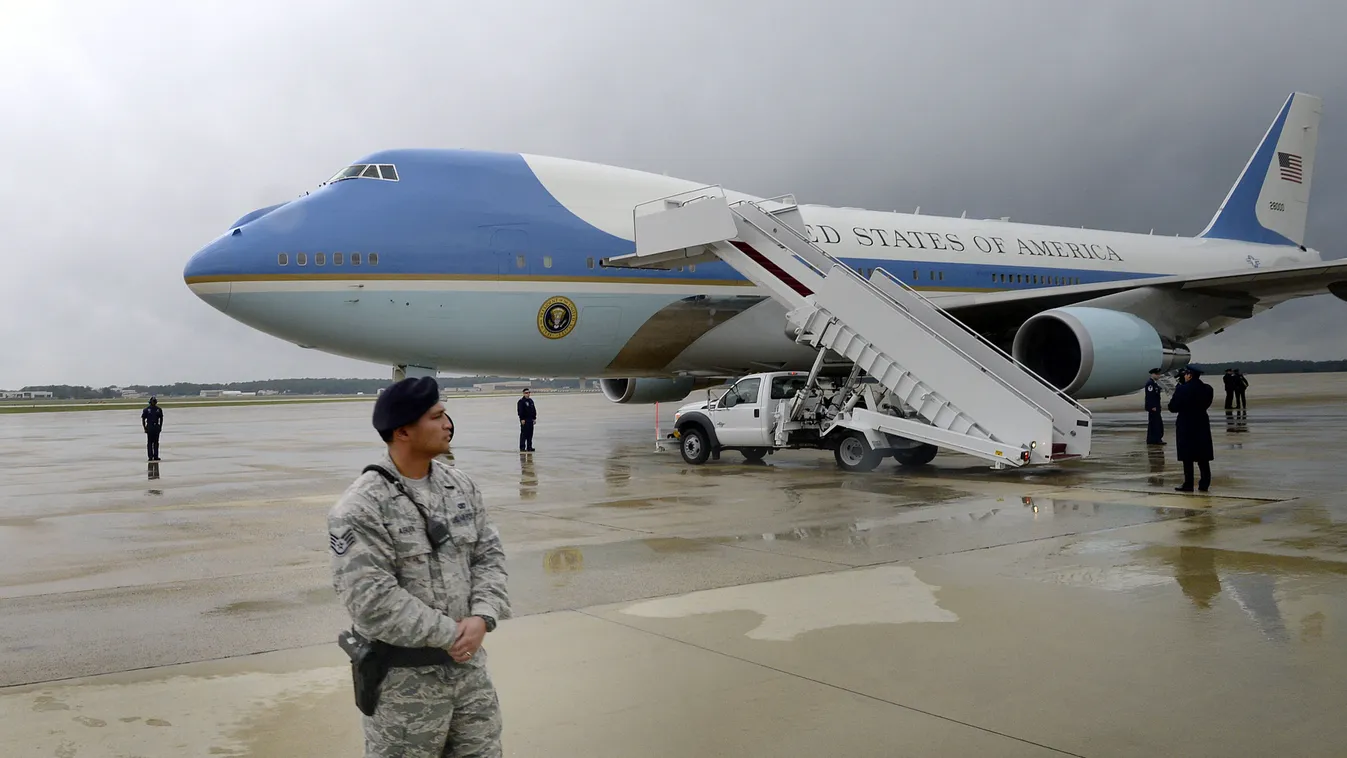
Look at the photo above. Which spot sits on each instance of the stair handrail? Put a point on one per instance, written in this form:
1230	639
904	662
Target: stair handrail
1055	390
848	271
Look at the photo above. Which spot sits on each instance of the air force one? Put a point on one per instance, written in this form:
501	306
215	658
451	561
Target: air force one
489	263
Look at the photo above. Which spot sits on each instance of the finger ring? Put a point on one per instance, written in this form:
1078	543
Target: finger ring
469	655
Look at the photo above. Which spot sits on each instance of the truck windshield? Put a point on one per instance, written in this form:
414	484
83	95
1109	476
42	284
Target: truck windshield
746	391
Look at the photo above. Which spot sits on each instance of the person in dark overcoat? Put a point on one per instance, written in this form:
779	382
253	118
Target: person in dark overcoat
1192	427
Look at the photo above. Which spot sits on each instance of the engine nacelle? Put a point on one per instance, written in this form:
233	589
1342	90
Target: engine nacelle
647	390
1094	352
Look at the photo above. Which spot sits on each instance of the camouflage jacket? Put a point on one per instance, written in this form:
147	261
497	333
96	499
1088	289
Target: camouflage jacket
398	589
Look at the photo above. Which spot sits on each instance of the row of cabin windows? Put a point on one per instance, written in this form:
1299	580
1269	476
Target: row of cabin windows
320	259
338	259
522	262
1055	281
939	276
934	276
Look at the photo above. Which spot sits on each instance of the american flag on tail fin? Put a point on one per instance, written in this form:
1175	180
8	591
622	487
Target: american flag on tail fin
1291	167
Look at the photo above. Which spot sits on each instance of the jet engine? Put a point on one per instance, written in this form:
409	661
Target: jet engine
1094	352
647	390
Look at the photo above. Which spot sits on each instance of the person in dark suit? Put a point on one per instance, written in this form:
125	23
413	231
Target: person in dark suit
1241	384
152	421
1155	426
1231	388
528	414
1192	427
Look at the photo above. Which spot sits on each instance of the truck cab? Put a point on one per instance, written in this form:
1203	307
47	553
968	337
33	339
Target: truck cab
740	419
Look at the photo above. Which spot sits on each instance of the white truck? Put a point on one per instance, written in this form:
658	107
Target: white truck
762	413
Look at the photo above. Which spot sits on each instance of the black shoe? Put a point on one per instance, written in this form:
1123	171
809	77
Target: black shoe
1183	489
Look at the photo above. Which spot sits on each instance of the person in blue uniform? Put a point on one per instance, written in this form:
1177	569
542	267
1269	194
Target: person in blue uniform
528	414
152	421
1192	427
1155	425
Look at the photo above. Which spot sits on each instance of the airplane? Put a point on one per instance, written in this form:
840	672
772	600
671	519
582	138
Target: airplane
472	262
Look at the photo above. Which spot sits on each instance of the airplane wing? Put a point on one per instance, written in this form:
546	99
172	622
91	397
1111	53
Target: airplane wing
1230	294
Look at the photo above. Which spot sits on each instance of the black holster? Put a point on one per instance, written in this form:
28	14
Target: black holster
371	660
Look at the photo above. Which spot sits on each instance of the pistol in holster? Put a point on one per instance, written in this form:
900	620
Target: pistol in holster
371	660
368	668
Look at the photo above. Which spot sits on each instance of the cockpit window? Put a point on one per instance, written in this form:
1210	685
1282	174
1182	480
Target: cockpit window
382	171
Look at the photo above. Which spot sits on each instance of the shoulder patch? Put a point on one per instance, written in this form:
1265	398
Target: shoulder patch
340	543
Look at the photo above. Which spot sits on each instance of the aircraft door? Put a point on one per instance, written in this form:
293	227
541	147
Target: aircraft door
509	246
739	414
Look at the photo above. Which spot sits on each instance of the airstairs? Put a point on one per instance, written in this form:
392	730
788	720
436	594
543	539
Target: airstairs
962	392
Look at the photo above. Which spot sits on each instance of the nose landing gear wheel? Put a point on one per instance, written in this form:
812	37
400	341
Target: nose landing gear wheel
853	453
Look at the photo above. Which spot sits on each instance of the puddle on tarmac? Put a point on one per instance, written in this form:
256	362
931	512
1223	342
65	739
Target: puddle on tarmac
676	545
178	716
651	502
791	607
244	607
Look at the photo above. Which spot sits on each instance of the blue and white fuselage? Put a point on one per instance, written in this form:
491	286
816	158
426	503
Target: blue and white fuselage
450	260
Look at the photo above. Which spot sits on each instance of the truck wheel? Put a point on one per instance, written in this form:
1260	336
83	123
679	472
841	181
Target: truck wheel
694	447
754	454
853	453
916	456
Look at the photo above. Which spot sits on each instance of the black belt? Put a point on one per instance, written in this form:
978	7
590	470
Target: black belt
409	657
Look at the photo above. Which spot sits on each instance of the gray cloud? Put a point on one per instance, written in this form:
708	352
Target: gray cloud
138	133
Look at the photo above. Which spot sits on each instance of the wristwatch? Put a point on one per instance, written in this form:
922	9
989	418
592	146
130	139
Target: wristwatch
490	622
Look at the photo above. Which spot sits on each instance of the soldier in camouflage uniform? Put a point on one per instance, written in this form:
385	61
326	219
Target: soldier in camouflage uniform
428	577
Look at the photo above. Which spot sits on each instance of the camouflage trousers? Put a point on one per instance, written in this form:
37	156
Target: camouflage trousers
435	712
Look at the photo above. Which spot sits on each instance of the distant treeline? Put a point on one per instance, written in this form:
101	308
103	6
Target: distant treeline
285	386
1277	366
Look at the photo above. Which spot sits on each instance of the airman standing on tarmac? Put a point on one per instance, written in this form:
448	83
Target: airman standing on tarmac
1155	424
419	566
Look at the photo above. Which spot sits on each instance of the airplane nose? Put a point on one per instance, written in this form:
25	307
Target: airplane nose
204	274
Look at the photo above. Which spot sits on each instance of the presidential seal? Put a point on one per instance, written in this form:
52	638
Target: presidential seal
557	317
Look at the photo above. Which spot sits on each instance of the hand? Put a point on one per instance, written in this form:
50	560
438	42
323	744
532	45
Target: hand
471	630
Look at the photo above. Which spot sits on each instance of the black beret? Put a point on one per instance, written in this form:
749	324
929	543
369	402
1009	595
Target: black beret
1194	370
405	402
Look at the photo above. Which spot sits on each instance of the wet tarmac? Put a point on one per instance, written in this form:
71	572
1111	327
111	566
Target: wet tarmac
778	609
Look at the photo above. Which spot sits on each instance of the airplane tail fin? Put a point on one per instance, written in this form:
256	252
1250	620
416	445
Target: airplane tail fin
1270	200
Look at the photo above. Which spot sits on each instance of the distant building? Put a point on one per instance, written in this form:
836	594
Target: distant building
25	395
501	386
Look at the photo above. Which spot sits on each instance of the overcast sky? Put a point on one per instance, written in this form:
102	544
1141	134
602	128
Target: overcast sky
136	132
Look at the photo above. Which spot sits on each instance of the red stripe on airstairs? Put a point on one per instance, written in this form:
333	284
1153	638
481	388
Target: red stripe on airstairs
772	268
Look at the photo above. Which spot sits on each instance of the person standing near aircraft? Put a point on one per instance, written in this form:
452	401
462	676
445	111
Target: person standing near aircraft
528	415
152	421
420	568
1241	384
1155	424
1190	401
1231	388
